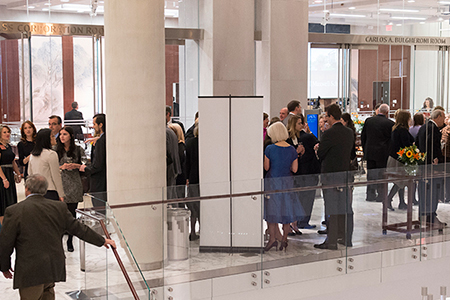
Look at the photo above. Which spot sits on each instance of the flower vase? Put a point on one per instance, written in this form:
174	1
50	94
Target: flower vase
411	169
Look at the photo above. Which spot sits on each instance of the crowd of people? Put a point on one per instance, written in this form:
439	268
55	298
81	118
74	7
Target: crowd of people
52	153
52	165
291	152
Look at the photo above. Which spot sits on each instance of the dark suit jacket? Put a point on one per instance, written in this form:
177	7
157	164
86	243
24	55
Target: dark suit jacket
97	170
192	166
376	138
335	148
34	227
428	140
74	115
308	163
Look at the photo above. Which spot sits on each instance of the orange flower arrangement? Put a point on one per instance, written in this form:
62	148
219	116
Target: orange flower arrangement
411	155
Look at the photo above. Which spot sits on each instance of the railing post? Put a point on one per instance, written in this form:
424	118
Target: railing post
82	255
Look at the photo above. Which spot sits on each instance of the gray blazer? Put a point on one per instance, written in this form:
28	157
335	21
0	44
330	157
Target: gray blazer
34	227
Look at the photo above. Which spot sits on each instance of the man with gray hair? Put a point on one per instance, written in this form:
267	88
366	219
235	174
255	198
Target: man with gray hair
34	228
428	141
376	140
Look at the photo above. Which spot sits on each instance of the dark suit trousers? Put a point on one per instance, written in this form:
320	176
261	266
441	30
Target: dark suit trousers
338	207
38	292
375	170
306	197
428	197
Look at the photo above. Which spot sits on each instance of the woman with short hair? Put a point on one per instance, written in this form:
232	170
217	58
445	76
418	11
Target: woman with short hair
281	161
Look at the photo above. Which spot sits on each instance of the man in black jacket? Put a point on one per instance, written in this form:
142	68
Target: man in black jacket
74	119
428	141
97	170
375	140
34	228
334	151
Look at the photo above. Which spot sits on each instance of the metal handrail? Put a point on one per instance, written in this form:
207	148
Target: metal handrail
260	192
116	254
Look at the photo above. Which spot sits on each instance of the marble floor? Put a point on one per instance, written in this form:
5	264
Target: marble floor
102	270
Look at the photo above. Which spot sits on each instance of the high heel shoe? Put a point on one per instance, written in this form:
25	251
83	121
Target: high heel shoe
296	232
269	246
283	246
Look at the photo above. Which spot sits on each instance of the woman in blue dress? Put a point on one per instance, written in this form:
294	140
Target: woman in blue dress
280	160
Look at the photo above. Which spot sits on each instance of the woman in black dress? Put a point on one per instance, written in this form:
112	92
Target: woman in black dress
26	145
400	138
192	180
8	193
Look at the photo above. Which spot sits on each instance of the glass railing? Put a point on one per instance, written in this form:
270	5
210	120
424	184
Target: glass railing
217	232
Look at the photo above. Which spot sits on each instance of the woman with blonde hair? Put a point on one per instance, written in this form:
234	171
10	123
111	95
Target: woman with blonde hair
281	161
295	126
181	178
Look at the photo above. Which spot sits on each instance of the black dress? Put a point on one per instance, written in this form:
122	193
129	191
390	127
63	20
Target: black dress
25	149
7	196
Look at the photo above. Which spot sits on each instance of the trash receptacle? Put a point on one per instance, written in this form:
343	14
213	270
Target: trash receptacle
178	233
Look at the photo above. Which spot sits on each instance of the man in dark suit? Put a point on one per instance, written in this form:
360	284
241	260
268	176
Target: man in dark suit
74	118
334	151
429	140
294	108
34	228
308	169
97	170
170	120
375	140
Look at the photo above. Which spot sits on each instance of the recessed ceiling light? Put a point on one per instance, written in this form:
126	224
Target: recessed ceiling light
408	18
352	8
101	2
390	23
47	4
318	1
80	11
399	10
347	15
398	24
45	9
411	1
31	6
422	23
326	10
64	0
440	19
444	2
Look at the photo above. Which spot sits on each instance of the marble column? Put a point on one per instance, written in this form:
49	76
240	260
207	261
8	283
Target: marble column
227	55
135	85
282	54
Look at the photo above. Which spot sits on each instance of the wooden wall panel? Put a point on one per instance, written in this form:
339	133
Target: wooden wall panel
68	76
172	71
10	99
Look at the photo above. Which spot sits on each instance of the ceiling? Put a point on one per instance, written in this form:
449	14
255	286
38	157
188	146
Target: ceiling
353	12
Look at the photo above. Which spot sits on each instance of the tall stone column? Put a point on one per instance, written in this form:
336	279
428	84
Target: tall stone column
135	85
282	54
227	55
